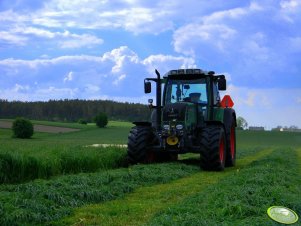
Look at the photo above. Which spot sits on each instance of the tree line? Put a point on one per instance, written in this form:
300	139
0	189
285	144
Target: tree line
73	110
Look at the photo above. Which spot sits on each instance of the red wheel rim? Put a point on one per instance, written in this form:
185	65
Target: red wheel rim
232	142
221	150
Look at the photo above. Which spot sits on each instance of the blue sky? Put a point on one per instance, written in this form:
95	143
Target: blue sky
103	49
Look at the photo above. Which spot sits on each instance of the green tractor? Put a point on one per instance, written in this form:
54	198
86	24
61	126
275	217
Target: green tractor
191	118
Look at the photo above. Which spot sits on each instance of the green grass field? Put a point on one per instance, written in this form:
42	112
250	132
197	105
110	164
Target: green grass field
81	185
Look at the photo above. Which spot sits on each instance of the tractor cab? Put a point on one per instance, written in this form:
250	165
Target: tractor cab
178	90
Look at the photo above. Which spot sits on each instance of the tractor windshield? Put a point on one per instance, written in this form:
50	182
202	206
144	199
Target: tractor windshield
186	91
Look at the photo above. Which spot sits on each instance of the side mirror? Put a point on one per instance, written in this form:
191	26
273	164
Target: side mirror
222	84
150	101
147	87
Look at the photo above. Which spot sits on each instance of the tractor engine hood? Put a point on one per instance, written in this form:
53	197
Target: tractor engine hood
179	120
175	111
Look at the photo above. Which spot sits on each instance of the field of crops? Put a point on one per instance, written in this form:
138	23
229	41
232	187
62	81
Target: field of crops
59	179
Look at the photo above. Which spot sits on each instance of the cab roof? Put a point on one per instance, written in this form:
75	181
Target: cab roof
189	74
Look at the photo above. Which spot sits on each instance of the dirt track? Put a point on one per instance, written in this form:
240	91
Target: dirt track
41	128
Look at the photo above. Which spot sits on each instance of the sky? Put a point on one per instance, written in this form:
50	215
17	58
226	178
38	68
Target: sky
103	49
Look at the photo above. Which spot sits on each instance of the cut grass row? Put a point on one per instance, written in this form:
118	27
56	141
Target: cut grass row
16	167
47	155
45	201
239	196
242	198
131	211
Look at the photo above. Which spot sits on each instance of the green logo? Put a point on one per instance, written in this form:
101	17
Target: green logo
282	215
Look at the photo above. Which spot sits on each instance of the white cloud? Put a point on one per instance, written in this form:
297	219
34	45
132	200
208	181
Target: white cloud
129	16
119	79
216	31
12	38
121	67
290	10
20	88
69	77
121	56
290	5
78	41
164	63
34	31
20	35
188	37
11	16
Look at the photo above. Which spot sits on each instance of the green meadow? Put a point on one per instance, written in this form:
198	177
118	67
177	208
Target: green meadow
59	179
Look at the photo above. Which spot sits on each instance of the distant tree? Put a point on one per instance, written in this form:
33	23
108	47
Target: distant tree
22	128
101	120
241	123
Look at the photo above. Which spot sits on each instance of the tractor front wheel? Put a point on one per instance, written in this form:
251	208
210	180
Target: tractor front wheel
213	148
140	140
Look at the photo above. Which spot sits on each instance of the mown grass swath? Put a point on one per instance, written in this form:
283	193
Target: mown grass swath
244	197
44	201
47	155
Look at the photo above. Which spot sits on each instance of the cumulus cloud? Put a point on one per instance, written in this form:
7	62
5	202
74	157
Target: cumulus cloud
164	63
128	15
10	38
112	73
20	35
235	38
20	88
69	77
119	79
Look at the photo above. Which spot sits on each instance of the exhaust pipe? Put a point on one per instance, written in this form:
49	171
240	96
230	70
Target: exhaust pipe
158	100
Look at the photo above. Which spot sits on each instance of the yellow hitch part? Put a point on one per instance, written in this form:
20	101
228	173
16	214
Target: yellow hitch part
172	140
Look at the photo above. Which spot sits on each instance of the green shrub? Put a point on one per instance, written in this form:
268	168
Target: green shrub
83	121
22	128
101	120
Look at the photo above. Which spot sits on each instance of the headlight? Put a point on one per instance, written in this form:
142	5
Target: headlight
166	127
179	127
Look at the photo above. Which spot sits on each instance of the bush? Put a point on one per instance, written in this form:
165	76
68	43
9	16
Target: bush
83	121
101	120
22	128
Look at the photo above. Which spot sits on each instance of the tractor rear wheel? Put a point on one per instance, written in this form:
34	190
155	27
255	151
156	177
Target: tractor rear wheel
140	140
213	148
231	145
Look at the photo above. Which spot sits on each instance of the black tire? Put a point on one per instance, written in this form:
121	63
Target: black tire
139	145
231	145
213	148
